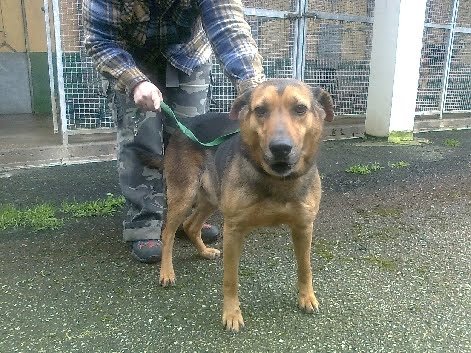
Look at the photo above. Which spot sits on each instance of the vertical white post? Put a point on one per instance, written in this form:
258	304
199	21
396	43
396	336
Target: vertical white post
50	66
300	29
394	68
60	72
446	74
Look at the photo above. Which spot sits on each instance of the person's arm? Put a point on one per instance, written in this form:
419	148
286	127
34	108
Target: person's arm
232	41
102	43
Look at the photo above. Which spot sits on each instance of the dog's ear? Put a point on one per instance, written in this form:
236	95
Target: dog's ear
240	103
325	100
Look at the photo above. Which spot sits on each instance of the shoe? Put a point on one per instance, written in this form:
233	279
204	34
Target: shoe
209	233
146	251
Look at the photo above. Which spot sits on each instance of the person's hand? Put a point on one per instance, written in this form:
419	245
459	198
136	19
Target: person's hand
147	96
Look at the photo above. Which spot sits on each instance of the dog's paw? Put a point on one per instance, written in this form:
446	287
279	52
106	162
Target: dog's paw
232	320
308	303
167	278
210	253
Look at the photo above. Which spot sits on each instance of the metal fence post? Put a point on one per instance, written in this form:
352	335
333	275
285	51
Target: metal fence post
60	71
50	65
446	74
300	35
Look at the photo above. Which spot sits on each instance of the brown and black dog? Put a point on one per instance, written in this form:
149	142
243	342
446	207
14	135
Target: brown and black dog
264	176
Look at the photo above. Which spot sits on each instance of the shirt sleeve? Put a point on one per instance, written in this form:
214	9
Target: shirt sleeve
102	28
232	41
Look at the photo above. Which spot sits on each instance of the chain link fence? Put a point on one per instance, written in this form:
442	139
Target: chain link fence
275	38
445	70
85	104
338	47
334	55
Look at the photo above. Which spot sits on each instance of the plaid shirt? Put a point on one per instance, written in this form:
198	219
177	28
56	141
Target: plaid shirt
121	33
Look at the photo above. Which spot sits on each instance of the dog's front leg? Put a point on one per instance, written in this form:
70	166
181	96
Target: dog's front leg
302	239
233	240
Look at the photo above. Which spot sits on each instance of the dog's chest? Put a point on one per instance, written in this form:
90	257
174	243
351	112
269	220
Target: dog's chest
265	204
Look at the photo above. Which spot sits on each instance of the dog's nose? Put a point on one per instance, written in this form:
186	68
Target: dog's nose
280	148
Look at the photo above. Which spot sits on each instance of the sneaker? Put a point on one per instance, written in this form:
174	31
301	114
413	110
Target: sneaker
209	233
146	251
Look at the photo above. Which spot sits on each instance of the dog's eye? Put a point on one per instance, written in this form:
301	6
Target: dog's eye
261	111
300	109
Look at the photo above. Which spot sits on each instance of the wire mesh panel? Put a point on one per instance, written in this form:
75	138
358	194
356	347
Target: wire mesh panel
86	106
275	40
464	14
432	69
458	95
280	5
439	11
338	53
352	7
335	55
445	71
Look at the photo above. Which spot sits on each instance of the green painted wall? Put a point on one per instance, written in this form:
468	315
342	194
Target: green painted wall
41	95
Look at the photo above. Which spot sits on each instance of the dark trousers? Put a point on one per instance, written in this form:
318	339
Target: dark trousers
141	138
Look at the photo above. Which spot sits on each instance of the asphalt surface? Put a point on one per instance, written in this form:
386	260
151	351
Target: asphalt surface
391	262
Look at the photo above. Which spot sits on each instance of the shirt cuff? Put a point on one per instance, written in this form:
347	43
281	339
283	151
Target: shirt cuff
244	85
129	79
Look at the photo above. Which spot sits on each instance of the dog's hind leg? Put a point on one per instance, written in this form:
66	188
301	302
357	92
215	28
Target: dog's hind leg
182	189
178	204
193	224
302	239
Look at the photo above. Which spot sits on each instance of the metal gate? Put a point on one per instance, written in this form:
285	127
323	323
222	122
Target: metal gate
445	71
326	43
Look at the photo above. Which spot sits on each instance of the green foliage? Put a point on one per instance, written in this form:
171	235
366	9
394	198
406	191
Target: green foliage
102	207
323	250
45	216
400	164
39	217
452	143
10	217
385	264
363	169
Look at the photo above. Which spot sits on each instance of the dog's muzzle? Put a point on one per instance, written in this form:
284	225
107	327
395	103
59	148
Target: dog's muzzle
281	156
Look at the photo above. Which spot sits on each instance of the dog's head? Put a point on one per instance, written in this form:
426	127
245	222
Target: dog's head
281	124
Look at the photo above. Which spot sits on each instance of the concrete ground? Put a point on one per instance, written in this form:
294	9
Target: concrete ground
391	262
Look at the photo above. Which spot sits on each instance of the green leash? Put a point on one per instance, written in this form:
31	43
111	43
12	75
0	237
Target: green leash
168	111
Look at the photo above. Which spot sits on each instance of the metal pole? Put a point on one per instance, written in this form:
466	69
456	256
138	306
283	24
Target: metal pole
446	74
28	50
50	66
60	72
300	35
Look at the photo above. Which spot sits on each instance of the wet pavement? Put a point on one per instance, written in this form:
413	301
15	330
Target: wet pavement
391	262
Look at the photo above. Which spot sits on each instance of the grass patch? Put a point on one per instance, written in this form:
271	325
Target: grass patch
42	217
363	169
39	217
102	207
10	217
323	250
46	216
452	143
388	212
247	272
382	263
398	165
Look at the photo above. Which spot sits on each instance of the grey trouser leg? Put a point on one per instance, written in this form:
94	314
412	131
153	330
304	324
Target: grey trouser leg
140	137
